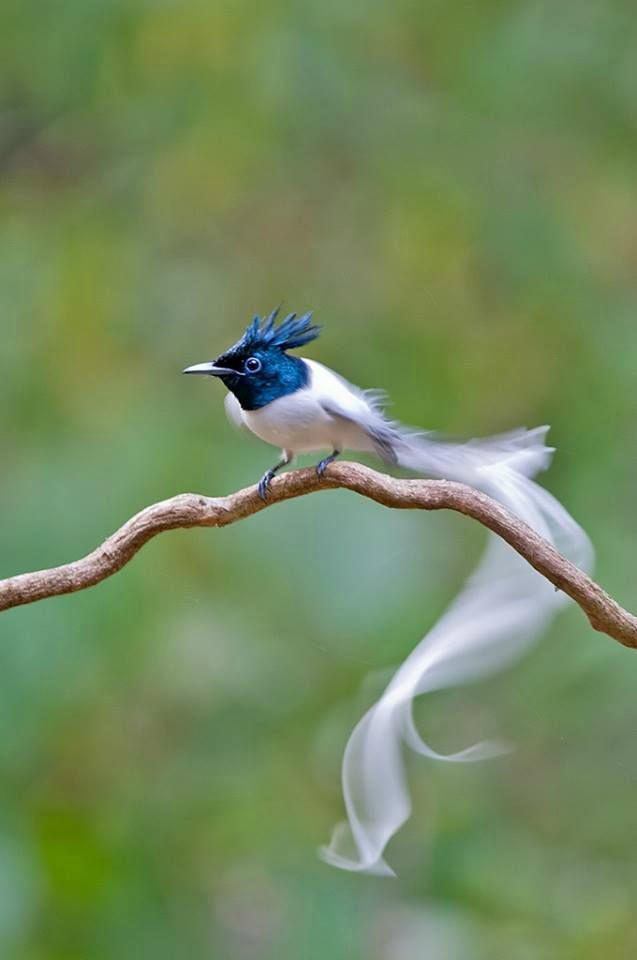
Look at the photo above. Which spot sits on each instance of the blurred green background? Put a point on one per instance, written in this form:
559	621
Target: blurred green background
452	188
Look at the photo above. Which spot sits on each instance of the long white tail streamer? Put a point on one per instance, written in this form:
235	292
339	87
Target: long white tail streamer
502	608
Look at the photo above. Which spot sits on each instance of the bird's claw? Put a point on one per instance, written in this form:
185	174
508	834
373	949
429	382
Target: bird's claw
322	467
264	485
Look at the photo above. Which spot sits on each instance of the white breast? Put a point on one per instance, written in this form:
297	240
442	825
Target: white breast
234	412
295	422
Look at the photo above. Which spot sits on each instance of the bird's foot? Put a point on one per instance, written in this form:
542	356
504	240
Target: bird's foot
324	464
264	484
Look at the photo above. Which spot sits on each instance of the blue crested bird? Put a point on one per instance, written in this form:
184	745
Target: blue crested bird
302	406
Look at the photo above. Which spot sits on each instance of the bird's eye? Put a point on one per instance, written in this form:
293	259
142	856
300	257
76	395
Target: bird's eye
253	364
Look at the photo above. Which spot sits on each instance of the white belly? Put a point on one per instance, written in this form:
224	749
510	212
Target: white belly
296	423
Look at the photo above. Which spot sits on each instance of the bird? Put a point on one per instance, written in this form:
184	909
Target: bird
301	406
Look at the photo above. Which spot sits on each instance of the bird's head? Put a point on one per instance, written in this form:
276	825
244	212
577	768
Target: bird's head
257	368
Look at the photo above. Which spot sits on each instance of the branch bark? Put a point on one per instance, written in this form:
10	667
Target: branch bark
193	510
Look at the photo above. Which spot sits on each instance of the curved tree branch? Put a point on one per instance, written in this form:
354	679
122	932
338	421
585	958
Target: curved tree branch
194	510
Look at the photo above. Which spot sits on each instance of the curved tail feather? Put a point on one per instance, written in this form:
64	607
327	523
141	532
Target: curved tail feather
503	607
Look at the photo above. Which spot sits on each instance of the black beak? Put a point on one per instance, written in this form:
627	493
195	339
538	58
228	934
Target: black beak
210	369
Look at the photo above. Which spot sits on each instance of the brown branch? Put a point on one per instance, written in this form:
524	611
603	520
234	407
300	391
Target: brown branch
193	510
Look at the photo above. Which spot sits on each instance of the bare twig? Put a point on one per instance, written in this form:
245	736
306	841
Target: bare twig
194	510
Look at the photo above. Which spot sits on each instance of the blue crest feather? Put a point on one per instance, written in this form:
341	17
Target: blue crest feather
291	332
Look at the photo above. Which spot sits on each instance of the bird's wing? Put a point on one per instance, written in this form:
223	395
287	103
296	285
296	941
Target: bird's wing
362	409
234	412
374	428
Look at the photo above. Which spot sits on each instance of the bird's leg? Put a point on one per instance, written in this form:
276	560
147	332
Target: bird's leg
322	466
264	482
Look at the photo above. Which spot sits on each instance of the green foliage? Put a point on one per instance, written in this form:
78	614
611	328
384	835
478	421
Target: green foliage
451	187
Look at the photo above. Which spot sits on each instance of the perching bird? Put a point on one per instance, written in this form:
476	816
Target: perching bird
302	406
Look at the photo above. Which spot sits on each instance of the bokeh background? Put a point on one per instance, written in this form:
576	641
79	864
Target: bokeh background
452	188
